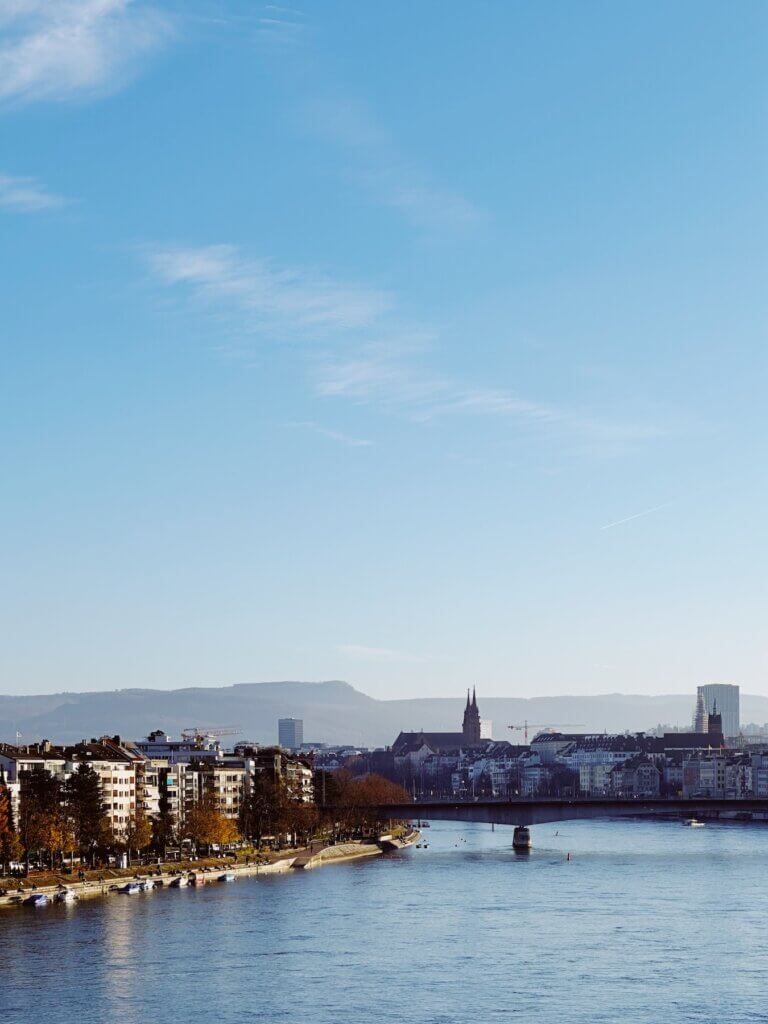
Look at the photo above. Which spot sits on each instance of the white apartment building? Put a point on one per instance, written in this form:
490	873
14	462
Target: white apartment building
116	770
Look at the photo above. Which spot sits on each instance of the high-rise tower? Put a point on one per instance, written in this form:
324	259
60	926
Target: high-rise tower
727	697
471	725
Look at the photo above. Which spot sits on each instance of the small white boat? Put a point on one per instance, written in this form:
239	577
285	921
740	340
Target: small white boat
65	896
130	889
693	823
228	876
37	899
146	885
180	882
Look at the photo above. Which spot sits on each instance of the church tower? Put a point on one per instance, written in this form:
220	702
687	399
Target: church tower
471	726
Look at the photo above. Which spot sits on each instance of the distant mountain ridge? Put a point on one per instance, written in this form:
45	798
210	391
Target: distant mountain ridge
333	712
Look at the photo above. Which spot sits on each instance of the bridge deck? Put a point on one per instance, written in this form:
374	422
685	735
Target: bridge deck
540	811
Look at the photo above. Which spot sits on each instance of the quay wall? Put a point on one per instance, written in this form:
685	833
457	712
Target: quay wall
85	890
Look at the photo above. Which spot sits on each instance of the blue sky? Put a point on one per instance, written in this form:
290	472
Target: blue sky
418	345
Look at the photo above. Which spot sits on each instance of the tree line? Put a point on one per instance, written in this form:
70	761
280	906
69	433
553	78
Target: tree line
60	820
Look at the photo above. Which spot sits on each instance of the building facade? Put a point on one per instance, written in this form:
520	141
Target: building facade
723	699
290	733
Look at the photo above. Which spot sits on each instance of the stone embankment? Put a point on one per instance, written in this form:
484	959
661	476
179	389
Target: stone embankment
111	882
319	855
314	856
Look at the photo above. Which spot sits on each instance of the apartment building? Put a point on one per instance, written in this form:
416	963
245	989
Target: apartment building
116	770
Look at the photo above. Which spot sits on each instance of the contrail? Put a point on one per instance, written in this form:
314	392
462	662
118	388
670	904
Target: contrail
637	515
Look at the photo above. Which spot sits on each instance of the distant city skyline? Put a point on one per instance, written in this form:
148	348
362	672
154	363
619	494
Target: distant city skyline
421	346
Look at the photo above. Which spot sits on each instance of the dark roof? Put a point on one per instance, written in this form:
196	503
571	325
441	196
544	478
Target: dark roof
30	752
408	742
595	741
95	751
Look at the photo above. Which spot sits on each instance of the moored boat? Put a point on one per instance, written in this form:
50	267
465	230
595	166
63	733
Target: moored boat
130	889
65	895
228	876
180	882
37	899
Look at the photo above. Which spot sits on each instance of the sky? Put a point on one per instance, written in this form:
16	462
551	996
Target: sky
417	345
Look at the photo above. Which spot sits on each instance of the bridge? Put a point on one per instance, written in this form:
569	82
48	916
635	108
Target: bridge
539	810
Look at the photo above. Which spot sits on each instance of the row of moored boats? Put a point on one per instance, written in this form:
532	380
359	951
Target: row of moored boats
133	888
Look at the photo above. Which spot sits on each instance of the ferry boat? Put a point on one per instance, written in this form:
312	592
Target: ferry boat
693	823
521	839
37	899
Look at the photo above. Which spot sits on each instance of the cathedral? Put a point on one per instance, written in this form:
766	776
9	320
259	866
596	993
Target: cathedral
445	742
470	728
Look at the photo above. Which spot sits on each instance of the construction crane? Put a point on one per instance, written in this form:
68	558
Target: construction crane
548	725
199	733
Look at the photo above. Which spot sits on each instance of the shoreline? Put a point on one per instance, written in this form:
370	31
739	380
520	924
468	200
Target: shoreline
306	859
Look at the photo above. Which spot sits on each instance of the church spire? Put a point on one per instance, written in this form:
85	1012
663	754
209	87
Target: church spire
471	725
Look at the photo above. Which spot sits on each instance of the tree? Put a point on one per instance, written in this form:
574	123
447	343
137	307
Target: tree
206	825
356	802
10	845
138	834
303	819
163	823
41	814
265	808
86	811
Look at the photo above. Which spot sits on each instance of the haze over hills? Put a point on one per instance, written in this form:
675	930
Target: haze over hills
333	712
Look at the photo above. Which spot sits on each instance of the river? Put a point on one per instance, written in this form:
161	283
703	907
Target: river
648	922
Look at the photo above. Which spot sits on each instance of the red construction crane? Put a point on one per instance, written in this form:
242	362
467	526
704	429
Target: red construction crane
548	725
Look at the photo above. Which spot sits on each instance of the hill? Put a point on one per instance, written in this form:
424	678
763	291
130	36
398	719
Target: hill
333	712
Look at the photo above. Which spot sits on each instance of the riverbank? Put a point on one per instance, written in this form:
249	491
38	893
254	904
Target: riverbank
205	871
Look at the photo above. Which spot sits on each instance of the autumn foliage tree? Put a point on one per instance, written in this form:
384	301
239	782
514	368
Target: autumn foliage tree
205	825
352	805
41	818
10	845
138	834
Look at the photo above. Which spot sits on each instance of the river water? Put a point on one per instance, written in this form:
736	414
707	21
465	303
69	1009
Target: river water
648	922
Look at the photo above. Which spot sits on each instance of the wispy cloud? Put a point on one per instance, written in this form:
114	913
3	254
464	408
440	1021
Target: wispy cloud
58	49
382	374
377	164
27	195
637	515
381	654
279	299
334	435
283	26
359	351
